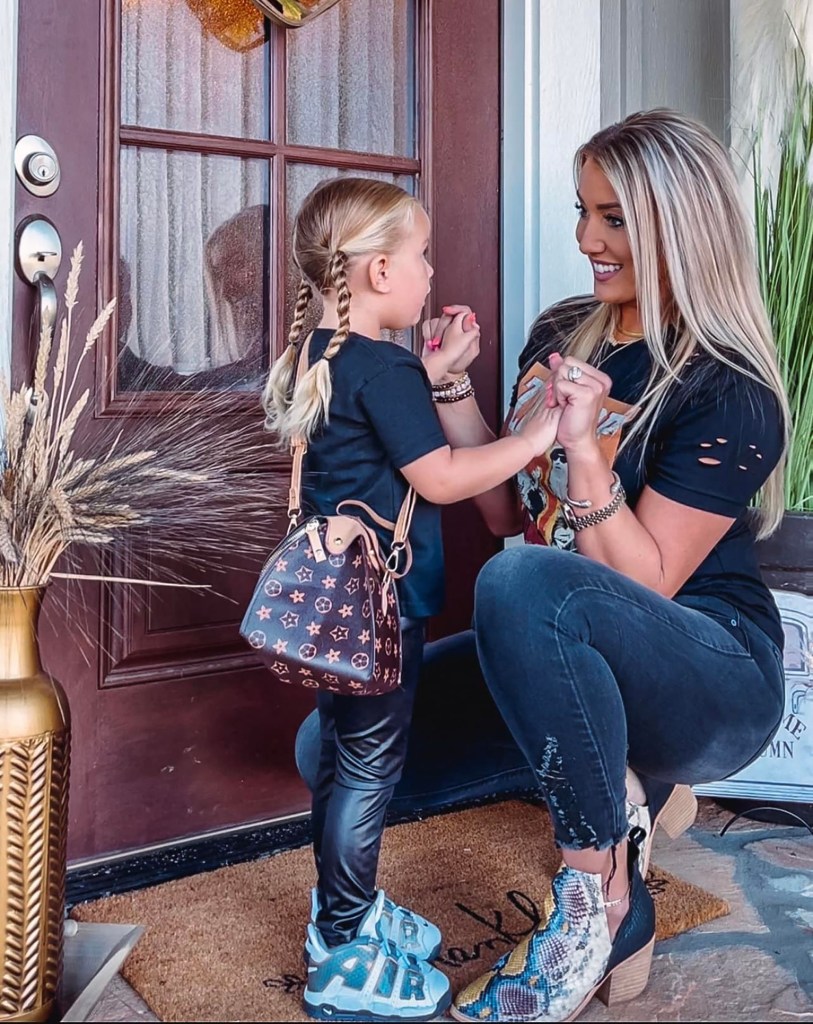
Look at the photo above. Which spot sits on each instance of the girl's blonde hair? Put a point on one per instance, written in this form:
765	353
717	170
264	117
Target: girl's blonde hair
341	220
688	230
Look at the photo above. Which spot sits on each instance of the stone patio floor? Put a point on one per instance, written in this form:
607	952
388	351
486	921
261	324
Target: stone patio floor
754	965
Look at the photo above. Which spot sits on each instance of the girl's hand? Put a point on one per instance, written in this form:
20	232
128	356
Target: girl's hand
539	424
459	337
434	329
580	401
472	330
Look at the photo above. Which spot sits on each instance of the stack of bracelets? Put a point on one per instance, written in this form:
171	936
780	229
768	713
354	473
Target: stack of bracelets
599	515
455	390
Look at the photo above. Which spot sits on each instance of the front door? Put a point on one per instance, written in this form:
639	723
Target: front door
188	131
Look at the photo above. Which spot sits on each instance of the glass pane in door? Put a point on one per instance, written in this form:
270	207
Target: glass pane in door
351	78
195	66
193	271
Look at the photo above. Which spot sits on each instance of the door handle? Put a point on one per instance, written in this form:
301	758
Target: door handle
39	255
46	300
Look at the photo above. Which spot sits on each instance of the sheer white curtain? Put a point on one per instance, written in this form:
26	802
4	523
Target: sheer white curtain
186	219
350	81
175	75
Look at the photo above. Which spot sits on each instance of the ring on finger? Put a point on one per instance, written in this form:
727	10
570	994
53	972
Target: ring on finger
574	373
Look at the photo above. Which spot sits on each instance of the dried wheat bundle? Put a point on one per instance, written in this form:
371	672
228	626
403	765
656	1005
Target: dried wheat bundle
178	481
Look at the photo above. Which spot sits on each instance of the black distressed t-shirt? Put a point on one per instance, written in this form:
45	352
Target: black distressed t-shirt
714	444
381	418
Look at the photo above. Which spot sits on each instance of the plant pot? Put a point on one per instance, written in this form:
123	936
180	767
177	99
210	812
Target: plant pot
786	558
34	765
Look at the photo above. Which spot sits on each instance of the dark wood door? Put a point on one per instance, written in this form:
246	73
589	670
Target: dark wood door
187	132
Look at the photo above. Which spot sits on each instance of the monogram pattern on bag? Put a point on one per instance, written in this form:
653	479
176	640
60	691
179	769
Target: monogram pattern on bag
322	624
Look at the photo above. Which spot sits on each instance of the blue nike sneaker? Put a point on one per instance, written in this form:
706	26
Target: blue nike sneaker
408	930
371	978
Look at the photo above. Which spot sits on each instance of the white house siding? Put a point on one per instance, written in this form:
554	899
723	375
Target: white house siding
551	103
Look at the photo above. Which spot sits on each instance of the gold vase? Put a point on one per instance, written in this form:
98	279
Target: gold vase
34	763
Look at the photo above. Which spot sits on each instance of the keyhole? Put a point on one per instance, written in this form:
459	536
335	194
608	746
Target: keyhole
42	168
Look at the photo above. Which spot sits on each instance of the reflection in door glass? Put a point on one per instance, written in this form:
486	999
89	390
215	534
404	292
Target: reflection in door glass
195	66
193	271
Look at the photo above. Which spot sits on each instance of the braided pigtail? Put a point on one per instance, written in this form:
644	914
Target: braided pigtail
303	299
338	280
341	221
278	393
311	402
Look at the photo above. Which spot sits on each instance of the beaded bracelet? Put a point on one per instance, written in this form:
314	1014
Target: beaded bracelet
454	390
460	383
457	396
577	523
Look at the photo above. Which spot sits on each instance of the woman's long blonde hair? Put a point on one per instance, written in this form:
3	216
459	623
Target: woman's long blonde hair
688	230
341	220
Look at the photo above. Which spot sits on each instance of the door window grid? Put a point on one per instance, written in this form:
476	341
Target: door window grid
284	162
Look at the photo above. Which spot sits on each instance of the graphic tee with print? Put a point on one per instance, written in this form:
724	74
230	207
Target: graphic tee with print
716	441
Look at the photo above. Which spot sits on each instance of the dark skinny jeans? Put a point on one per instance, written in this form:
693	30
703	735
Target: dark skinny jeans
578	671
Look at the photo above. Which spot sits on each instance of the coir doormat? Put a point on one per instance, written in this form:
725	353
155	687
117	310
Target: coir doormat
227	945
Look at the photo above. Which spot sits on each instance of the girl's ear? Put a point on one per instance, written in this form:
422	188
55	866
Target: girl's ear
379	274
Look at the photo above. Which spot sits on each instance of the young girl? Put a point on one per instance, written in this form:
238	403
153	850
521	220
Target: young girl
366	407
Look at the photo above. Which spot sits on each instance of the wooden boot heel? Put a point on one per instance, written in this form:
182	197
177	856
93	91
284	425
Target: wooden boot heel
629	979
679	812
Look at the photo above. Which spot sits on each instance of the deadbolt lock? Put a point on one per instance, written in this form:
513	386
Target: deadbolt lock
37	166
40	168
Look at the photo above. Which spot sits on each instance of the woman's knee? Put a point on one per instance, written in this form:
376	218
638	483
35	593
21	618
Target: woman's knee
525	581
307	748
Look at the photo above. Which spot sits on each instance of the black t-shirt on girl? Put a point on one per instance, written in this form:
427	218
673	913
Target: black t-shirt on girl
382	417
714	444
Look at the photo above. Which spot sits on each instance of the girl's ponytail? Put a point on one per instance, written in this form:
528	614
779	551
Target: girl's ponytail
338	279
277	395
310	402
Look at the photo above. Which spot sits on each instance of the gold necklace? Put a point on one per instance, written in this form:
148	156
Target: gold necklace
628	340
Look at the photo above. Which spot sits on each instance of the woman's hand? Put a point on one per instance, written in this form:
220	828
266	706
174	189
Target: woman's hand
451	343
580	400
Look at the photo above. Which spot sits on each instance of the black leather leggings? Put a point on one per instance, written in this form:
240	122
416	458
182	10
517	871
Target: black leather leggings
363	749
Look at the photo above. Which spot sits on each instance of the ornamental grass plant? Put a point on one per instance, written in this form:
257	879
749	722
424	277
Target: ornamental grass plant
784	242
181	487
772	126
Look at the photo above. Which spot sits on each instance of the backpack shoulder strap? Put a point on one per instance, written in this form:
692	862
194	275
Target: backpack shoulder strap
299	446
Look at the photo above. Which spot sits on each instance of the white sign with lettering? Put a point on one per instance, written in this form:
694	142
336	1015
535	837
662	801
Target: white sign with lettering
784	771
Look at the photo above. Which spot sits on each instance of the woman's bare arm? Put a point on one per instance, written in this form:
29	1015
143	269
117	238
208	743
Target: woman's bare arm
660	544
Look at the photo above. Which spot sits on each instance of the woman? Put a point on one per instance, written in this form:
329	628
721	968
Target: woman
661	648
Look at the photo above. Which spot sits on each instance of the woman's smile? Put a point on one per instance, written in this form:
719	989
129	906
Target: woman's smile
605	271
